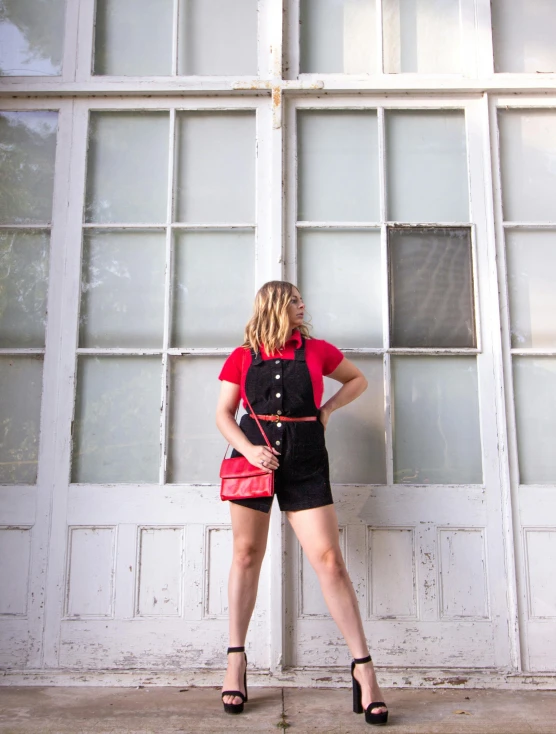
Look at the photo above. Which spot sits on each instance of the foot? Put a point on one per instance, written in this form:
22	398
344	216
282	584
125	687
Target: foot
370	690
233	680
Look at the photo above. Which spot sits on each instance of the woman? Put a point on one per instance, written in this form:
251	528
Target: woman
280	370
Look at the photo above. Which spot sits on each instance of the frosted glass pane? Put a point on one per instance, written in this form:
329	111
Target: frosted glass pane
422	36
27	151
339	273
218	37
437	437
337	36
431	288
133	37
427	166
195	446
528	162
535	409
20	409
213	288
216	167
338	166
355	435
531	263
127	168
523	35
31	37
122	289
24	260
116	431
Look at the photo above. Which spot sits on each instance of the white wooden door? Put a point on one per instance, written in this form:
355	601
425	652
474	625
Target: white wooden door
390	245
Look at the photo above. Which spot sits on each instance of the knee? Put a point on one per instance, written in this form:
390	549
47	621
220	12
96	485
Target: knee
331	563
247	556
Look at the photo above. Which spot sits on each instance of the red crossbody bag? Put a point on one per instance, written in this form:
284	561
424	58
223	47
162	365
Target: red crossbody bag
240	480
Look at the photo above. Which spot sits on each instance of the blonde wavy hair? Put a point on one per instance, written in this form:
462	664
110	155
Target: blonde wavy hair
269	327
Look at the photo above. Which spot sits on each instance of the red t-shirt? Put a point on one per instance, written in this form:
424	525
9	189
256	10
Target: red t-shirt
322	358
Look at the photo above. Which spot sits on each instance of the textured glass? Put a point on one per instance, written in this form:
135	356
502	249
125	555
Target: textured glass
122	289
431	288
437	437
528	163
218	37
337	36
422	36
116	431
127	167
216	167
133	37
24	258
355	435
535	412
339	274
20	410
427	166
31	37
195	446
531	264
213	287
27	152
523	35
338	166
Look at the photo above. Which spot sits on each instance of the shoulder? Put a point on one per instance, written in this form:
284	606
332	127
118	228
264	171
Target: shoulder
233	366
326	353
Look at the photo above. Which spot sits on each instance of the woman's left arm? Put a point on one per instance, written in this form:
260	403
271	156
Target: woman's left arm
353	382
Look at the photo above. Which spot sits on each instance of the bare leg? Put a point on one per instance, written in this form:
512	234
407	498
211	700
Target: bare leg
250	531
317	531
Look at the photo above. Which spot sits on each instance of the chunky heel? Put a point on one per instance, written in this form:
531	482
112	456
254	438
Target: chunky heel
370	717
236	708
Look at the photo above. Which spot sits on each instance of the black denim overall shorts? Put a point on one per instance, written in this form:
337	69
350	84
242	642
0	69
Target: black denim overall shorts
283	387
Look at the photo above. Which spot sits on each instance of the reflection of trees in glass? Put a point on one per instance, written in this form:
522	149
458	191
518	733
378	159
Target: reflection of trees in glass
27	150
31	37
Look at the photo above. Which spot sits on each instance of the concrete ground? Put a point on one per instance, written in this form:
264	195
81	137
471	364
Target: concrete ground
88	710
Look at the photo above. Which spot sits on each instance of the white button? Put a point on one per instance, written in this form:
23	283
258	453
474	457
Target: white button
278	412
277	443
277	377
279	425
278	395
277	361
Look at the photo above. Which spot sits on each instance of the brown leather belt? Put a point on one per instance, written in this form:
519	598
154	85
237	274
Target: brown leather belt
278	418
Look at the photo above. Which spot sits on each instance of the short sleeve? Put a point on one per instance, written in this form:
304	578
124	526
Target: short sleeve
231	371
331	358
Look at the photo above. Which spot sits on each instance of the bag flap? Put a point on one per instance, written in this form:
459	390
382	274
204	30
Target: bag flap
240	467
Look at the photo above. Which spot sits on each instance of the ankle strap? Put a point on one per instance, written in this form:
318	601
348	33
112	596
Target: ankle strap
360	661
235	649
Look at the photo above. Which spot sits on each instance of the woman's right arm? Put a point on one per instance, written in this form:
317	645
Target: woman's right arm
226	423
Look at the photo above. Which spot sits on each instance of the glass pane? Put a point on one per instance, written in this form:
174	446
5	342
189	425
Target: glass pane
355	435
20	409
337	36
122	289
216	167
27	152
213	288
127	167
531	261
523	35
431	288
31	37
528	163
339	275
437	438
427	166
116	432
535	408
195	446
133	37
24	260
218	37
338	166
422	36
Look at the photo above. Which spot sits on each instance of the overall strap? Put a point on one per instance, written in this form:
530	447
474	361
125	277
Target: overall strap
300	351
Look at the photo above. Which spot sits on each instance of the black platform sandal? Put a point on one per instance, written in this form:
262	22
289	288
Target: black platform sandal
370	718
236	708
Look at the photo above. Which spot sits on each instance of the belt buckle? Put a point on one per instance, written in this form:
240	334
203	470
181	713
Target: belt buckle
275	418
